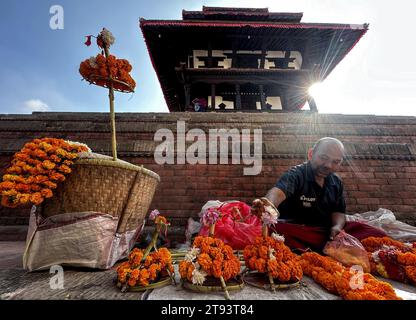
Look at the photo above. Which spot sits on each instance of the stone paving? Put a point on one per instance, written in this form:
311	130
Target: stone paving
79	284
83	284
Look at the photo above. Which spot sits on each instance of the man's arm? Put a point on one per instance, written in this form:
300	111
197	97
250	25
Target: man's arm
276	196
338	222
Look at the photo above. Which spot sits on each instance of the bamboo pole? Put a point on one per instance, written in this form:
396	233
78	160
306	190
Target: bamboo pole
265	230
212	230
112	113
224	287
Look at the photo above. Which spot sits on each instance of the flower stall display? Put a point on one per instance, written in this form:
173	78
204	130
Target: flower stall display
149	268
269	258
344	282
37	169
107	71
210	265
392	259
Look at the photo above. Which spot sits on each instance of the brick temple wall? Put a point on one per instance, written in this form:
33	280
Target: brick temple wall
379	172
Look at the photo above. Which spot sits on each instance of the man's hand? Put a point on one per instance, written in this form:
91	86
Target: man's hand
260	206
334	231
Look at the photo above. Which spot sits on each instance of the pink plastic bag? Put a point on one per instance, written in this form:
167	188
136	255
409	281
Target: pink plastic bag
236	227
348	250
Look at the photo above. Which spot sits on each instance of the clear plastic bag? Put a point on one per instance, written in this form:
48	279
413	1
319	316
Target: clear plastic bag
348	250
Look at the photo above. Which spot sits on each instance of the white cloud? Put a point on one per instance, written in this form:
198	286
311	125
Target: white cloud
35	105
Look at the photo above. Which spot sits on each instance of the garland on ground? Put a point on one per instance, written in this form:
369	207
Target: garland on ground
392	259
36	170
270	255
145	267
339	280
135	272
209	257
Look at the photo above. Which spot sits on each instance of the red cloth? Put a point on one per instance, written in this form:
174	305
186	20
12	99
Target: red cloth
303	237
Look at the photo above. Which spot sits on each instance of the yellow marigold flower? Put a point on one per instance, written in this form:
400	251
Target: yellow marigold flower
24	198
10	177
46	193
45	146
48	164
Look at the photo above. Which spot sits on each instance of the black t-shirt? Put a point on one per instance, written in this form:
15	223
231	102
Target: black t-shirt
308	203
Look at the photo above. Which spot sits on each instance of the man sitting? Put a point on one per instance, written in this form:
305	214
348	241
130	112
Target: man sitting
311	202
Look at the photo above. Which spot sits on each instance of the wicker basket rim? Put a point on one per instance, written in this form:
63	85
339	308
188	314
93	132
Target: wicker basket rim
117	164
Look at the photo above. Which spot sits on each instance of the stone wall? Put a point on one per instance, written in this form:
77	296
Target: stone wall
380	169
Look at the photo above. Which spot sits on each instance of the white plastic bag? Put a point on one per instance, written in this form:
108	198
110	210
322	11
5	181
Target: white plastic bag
386	220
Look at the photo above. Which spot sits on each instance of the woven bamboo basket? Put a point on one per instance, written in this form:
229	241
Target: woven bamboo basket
98	183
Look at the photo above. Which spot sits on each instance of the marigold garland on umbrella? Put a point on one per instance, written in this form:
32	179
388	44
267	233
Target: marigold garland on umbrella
37	169
97	69
338	279
101	68
392	259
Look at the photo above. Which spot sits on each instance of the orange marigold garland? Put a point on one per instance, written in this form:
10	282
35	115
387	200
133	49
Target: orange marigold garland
37	169
99	68
209	257
392	259
155	266
270	255
105	70
339	280
145	267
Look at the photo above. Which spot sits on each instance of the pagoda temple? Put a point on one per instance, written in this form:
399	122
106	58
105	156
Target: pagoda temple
244	59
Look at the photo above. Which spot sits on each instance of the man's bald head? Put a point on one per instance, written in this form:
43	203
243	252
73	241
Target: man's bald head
328	142
326	156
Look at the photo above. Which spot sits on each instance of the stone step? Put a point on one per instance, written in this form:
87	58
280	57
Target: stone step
13	233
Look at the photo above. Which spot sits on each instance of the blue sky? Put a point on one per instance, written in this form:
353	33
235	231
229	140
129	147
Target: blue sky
39	69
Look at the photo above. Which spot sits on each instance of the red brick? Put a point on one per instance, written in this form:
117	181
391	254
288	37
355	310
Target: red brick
394	188
401	208
406	194
379	181
408	175
364	175
368	187
391	175
398	181
367	201
389	201
411	201
357	194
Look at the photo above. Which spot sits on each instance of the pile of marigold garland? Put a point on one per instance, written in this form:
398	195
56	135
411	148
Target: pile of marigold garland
102	67
136	272
270	255
339	280
392	259
209	257
36	170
